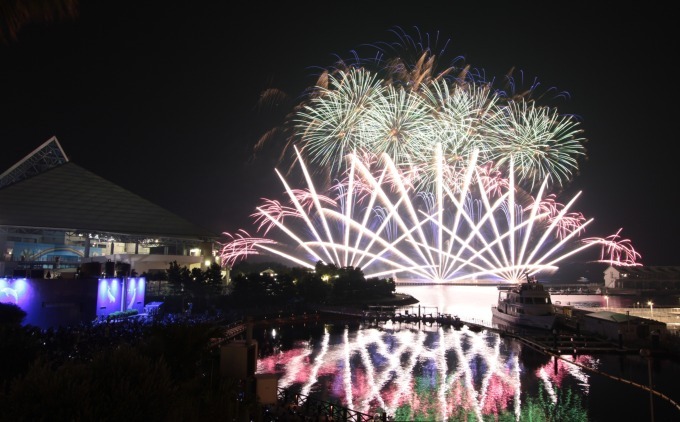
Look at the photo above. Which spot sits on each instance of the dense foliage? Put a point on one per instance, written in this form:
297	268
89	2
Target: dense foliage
121	368
131	369
327	284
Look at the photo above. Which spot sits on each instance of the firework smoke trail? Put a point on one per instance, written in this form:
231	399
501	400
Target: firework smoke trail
241	245
347	373
318	362
616	251
442	368
548	385
377	369
404	110
439	173
382	224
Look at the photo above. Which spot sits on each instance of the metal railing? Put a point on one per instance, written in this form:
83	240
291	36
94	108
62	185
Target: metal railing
305	406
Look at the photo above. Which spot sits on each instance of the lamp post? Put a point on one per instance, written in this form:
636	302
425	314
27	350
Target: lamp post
646	353
606	298
651	308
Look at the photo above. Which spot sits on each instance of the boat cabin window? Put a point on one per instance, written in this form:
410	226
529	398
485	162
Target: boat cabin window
535	300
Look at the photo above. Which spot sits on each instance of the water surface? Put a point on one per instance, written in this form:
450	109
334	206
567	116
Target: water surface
430	372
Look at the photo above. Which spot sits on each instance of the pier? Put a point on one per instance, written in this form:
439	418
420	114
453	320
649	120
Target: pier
561	340
229	332
572	344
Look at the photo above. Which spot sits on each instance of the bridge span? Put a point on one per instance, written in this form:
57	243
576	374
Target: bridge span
481	283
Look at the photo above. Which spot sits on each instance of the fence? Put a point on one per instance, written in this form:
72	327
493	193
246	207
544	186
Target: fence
305	406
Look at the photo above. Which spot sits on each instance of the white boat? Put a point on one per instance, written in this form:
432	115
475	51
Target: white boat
527	304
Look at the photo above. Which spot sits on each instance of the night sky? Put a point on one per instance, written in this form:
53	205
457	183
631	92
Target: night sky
162	99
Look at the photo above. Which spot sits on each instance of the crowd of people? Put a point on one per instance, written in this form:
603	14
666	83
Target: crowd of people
80	342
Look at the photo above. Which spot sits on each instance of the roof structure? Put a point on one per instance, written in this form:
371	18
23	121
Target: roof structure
650	272
46	156
620	318
612	316
46	191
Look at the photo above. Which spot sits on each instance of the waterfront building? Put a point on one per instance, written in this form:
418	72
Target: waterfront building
630	328
640	279
59	220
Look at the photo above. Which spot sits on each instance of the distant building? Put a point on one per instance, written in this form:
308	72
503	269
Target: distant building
58	217
268	272
611	324
642	279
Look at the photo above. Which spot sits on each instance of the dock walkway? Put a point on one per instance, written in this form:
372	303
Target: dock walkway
560	341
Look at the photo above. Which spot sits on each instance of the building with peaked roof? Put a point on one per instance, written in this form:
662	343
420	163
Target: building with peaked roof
642	279
56	216
612	324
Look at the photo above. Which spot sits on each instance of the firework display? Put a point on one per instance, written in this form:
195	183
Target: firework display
431	175
437	374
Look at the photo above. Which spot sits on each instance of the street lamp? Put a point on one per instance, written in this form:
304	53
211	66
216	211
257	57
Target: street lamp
651	308
606	298
646	353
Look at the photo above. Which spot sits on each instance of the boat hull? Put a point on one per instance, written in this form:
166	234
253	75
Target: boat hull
545	322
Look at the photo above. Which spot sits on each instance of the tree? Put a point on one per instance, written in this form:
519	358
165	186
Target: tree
117	383
313	289
11	314
197	276
15	14
249	290
381	287
348	283
162	378
213	275
282	287
246	267
326	271
178	275
19	345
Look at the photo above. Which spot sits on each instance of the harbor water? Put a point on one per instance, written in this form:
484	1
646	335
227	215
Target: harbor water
429	372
